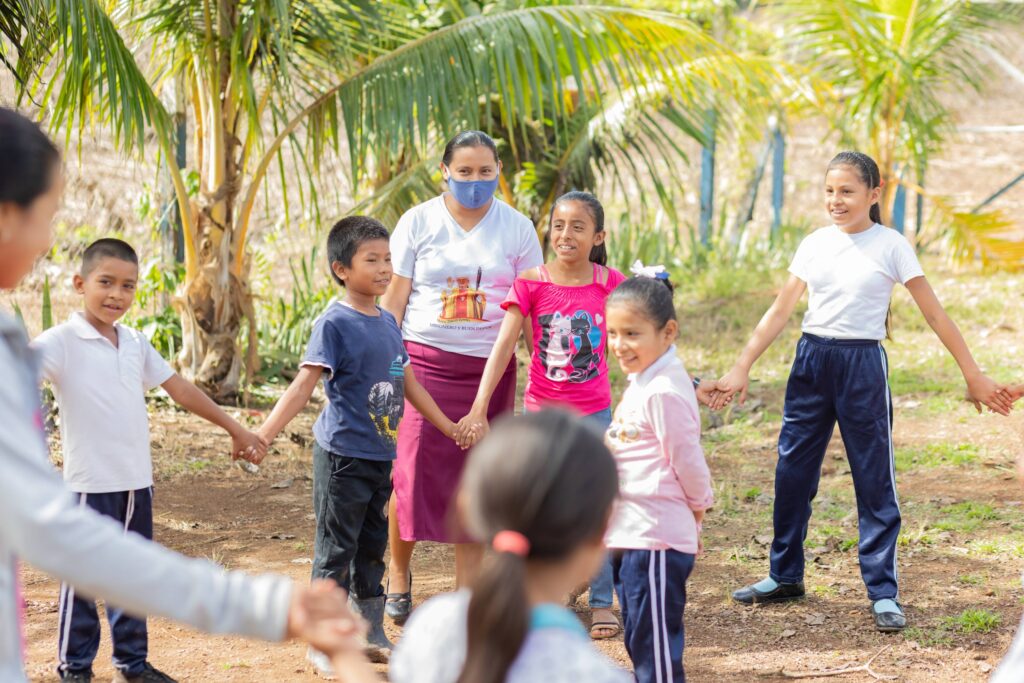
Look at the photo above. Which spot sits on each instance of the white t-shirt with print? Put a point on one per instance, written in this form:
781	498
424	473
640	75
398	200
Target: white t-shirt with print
433	650
101	392
459	278
850	279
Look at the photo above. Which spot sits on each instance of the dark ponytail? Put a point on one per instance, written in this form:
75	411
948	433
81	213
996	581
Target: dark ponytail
598	254
869	174
27	159
650	297
549	477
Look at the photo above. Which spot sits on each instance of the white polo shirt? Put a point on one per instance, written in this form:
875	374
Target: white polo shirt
101	392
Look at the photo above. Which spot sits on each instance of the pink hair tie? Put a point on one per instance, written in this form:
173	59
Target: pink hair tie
511	542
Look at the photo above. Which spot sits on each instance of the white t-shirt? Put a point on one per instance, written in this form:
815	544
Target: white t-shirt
433	650
101	392
460	278
850	278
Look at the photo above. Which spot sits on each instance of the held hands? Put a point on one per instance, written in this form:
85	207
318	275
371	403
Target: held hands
247	445
471	429
983	390
719	394
319	614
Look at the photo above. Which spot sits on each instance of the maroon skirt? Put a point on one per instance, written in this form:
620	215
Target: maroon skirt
429	464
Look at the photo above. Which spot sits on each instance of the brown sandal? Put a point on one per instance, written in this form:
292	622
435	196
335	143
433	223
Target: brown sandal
612	629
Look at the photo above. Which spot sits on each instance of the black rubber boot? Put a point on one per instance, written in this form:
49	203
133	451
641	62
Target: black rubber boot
378	647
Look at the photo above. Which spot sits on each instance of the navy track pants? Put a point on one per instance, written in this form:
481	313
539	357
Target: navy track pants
651	585
846	381
78	637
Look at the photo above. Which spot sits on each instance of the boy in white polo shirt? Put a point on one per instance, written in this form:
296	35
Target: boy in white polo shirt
100	372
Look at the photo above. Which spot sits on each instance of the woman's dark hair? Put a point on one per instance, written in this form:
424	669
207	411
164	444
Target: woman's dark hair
27	159
868	171
651	297
468	138
598	254
549	477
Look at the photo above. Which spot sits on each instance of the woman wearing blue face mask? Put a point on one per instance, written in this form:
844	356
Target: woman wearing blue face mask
455	258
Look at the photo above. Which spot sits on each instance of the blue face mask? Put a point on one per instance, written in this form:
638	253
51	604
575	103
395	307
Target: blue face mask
472	194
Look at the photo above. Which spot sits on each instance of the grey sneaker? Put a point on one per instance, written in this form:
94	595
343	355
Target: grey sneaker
148	675
77	676
320	662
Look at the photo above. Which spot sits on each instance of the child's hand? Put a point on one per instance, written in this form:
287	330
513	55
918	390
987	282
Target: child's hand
736	380
248	446
471	429
982	389
1016	391
712	395
319	614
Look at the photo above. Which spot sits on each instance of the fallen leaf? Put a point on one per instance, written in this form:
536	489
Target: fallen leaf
282	537
788	633
814	619
302	560
283	484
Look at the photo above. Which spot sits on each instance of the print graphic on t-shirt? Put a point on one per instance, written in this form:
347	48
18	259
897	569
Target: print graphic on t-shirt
567	346
460	304
387	401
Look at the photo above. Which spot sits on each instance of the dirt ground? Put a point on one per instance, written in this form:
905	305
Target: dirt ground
962	546
206	508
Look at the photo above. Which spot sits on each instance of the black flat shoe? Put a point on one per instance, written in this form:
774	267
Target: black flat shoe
398	606
889	622
783	592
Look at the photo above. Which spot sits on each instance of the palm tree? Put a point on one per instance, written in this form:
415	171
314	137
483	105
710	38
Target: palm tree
307	77
890	62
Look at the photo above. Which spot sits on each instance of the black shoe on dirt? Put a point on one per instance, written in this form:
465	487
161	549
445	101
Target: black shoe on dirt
77	676
148	675
765	592
889	617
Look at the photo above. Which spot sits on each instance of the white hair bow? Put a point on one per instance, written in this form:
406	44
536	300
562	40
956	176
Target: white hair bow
654	272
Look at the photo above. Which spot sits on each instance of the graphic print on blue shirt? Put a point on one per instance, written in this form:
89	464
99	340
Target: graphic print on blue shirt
364	379
387	402
567	346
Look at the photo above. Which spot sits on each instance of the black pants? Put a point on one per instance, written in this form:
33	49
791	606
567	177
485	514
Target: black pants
350	500
78	637
844	381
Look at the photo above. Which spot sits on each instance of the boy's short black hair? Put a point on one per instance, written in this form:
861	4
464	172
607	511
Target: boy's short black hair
345	237
107	247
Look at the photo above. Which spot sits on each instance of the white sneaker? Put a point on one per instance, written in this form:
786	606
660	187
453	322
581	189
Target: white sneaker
322	663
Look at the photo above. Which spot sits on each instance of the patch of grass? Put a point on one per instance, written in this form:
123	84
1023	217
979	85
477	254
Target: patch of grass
970	579
919	537
965	517
935	455
973	621
928	637
825	591
848	544
751	494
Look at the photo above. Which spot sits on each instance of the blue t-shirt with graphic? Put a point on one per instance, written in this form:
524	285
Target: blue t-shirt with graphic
364	361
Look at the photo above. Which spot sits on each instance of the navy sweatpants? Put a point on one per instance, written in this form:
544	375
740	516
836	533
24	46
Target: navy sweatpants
78	637
846	381
651	585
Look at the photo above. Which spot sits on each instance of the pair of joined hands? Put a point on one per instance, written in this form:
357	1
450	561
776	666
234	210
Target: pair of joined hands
248	445
981	391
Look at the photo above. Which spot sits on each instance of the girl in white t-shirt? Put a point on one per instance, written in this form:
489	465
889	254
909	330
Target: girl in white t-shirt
840	374
539	489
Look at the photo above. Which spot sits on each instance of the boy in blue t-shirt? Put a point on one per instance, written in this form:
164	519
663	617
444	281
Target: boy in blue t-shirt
357	347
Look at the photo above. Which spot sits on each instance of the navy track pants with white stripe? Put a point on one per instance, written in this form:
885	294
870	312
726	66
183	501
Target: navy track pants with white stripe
78	638
846	381
651	585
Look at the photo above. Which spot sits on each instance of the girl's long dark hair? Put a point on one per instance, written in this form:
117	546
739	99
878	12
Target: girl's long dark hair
27	159
598	254
550	477
868	171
